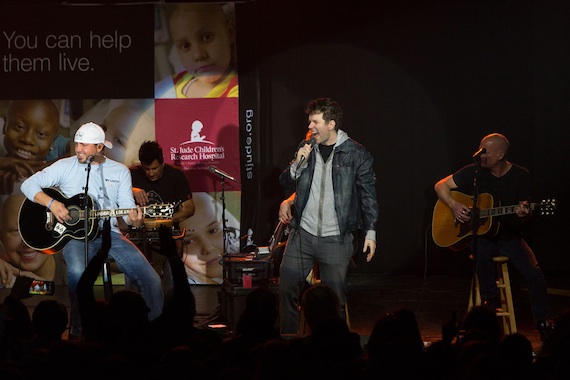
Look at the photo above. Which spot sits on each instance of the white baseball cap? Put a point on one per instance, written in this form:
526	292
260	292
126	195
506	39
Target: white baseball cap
91	133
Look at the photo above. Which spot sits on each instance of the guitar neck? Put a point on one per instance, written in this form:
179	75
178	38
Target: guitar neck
503	210
96	214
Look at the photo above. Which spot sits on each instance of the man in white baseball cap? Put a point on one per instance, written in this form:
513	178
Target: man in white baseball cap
91	133
110	187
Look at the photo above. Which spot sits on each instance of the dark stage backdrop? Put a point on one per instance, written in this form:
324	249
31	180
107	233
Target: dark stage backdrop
420	83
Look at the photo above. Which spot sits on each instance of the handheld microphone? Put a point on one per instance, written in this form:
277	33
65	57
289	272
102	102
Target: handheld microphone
477	155
222	173
90	159
312	141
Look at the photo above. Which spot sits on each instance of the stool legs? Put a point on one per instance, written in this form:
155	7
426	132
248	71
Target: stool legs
107	283
347	319
507	311
474	293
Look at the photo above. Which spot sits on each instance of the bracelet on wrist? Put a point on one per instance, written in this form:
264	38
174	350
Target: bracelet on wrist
49	204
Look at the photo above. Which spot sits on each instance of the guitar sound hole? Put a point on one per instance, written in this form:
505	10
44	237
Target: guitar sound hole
75	214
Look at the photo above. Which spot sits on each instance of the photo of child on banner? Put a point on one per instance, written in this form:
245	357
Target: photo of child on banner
196	54
203	243
127	123
31	138
29	128
18	259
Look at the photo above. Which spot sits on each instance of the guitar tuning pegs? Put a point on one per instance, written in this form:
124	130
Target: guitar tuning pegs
548	206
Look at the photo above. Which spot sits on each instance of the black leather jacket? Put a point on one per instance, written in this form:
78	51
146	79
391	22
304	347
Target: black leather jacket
354	188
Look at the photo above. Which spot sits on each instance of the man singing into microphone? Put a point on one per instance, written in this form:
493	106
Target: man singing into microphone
332	183
508	184
110	188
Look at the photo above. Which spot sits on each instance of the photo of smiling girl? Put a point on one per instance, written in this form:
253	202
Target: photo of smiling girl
202	53
203	244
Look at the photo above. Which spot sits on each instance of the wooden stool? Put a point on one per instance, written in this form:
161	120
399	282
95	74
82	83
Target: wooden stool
507	311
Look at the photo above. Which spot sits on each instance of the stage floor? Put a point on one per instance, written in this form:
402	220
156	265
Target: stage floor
434	299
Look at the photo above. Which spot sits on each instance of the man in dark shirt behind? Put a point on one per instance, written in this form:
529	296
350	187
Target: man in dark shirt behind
157	182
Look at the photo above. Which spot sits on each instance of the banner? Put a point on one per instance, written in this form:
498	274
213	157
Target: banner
165	72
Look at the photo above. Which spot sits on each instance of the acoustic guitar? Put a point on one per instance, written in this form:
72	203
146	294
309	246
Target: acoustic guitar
448	232
41	231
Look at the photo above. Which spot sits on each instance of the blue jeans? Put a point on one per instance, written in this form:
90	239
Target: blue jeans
303	251
129	260
522	258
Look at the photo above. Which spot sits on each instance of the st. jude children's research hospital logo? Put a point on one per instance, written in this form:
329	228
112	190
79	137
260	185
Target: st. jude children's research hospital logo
197	149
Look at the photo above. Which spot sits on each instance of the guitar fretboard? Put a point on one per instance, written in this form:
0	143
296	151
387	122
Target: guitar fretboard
159	210
109	213
504	210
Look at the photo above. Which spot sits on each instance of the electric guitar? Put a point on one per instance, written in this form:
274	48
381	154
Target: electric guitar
41	231
448	232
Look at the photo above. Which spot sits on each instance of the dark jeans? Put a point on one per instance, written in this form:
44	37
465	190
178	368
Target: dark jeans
130	261
523	259
304	251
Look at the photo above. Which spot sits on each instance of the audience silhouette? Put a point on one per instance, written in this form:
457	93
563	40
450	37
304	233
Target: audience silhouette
515	357
395	347
257	325
329	348
49	322
15	330
120	342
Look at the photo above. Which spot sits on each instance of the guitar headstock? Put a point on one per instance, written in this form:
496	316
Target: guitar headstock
547	207
159	210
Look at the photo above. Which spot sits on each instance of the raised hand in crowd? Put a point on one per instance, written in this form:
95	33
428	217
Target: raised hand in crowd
87	303
8	274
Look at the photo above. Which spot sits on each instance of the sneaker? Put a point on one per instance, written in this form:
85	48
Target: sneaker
74	334
545	329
